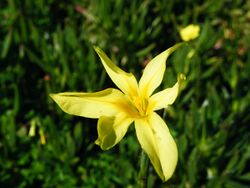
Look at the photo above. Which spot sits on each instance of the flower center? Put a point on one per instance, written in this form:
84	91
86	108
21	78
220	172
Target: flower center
141	105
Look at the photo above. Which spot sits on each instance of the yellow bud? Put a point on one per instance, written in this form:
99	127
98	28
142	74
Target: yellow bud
190	32
32	131
42	137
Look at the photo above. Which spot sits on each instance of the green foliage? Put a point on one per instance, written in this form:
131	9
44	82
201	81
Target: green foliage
46	46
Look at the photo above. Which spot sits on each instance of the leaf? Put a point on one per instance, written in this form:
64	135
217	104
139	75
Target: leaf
6	44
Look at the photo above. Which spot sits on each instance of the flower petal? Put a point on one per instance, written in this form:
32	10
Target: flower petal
166	97
125	81
111	130
154	71
157	142
92	105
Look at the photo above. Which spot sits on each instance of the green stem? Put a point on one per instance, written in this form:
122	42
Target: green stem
143	173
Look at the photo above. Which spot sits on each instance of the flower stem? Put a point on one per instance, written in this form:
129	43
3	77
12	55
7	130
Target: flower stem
143	173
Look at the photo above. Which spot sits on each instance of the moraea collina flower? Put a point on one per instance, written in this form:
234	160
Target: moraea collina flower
134	102
190	32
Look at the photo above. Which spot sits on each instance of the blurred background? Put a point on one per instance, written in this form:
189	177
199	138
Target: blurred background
46	47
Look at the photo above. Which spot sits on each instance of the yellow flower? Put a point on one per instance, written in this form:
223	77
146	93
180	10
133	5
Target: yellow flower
190	32
117	110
